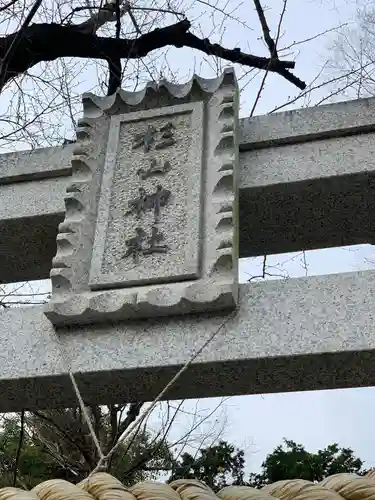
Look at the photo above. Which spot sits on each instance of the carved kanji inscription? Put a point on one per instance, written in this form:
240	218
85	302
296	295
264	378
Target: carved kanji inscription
144	139
157	167
154	190
162	138
151	220
149	202
145	244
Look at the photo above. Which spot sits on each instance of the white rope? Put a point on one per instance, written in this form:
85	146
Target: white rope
142	417
87	418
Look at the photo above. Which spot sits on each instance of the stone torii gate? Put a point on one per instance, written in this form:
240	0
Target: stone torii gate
151	208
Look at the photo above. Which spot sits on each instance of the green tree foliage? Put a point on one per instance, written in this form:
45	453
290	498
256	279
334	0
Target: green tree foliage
223	464
65	453
65	434
217	466
34	465
62	451
142	458
291	460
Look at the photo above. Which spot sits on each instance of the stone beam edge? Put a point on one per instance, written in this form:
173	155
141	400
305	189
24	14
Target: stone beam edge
287	140
204	380
36	164
300	125
308	124
298	320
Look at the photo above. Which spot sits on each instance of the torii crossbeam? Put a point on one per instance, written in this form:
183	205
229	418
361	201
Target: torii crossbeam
304	179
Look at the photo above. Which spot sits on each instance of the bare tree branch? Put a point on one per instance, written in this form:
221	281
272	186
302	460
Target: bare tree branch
152	451
64	434
16	40
272	45
110	12
132	414
113	410
266	31
237	56
47	42
6	6
114	65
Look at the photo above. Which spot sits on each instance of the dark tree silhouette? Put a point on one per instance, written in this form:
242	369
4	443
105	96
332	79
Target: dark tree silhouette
218	466
35	43
291	460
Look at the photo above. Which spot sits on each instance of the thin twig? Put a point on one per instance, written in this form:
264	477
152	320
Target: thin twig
264	267
156	9
9	4
149	455
311	38
225	14
194	426
318	86
272	46
139	421
266	31
57	429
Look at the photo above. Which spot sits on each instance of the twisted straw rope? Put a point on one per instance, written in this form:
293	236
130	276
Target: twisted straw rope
103	486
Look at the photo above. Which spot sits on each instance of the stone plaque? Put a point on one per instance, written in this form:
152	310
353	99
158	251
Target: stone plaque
148	226
151	223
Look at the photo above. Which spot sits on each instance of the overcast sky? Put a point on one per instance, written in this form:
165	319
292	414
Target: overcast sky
258	423
303	20
315	419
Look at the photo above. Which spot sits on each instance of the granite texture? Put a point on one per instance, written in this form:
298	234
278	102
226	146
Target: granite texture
327	121
299	334
30	212
311	195
32	199
151	225
308	124
312	214
162	93
35	164
179	221
337	156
